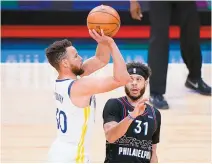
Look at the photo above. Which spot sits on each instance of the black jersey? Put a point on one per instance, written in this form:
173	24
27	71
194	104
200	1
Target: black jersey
136	145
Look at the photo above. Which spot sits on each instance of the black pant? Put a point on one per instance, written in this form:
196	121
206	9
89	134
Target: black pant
160	15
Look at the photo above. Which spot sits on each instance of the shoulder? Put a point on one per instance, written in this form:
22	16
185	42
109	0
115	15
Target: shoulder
113	101
112	108
157	112
113	104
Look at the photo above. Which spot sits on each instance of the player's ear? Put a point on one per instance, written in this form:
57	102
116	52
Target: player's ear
146	82
65	63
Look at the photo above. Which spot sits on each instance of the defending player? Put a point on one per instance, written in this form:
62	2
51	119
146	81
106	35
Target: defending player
132	127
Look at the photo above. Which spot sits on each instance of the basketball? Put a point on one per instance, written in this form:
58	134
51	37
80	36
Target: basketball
104	17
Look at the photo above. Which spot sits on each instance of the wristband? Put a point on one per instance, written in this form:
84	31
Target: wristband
130	117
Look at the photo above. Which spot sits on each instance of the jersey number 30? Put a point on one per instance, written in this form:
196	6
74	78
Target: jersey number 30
61	120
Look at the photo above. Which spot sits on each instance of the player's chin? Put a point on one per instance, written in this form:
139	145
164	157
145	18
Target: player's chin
80	69
80	66
134	97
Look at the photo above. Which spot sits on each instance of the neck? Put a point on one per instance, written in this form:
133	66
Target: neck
66	75
133	102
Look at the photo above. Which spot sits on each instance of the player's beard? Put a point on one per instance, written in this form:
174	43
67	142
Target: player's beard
134	98
76	70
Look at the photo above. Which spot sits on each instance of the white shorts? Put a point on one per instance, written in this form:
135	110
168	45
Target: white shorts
65	152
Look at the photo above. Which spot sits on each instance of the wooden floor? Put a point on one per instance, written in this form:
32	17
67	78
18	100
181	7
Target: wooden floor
28	119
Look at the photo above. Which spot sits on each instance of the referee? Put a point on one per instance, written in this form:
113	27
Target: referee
160	13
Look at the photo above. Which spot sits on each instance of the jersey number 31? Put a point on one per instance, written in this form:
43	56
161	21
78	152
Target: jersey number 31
61	120
138	127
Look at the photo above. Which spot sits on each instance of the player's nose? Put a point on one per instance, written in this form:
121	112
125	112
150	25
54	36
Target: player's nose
81	59
134	82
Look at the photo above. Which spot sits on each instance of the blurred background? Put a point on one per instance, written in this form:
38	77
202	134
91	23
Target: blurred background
28	27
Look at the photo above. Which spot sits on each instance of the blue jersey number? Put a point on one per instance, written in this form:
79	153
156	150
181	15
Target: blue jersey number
61	120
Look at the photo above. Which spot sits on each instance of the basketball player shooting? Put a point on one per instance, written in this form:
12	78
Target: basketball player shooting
74	96
132	127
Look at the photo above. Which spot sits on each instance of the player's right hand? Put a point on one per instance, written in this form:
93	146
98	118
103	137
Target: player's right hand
101	38
135	10
139	108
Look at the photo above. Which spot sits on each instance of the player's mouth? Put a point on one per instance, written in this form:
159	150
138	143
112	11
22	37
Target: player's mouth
134	90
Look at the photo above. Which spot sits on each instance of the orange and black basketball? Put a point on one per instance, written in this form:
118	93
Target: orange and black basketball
104	17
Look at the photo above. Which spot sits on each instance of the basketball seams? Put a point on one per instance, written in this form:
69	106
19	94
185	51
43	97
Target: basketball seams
117	26
113	30
112	20
102	23
106	13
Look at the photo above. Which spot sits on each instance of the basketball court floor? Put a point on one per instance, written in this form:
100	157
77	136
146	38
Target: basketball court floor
28	124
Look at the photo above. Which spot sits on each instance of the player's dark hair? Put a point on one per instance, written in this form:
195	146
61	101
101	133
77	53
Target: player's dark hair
146	71
56	52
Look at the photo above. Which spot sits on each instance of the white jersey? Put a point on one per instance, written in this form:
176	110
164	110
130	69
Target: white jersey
73	126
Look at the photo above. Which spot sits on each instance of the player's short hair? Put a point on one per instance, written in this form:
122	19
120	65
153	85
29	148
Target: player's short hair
143	69
56	52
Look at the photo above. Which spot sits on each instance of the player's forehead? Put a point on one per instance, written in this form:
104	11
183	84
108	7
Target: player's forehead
136	76
71	50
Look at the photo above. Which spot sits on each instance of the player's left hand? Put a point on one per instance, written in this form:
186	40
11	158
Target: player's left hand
139	108
101	38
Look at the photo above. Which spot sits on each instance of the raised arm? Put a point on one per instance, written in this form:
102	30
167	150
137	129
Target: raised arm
113	129
101	59
87	86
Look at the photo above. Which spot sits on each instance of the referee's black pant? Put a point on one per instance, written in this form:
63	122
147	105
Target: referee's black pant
160	15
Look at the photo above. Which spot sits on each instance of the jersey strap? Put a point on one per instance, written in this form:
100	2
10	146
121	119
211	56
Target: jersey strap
124	108
154	116
69	87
